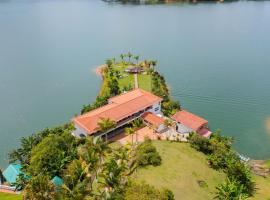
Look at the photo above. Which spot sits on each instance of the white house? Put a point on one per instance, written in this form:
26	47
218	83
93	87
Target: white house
158	123
122	109
187	122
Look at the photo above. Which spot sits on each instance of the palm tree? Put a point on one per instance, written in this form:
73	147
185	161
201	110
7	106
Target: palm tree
153	63
129	55
130	131
137	59
114	60
122	56
22	154
168	123
137	123
106	124
1	177
39	188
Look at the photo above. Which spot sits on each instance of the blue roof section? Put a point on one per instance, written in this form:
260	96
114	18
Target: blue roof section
11	173
57	181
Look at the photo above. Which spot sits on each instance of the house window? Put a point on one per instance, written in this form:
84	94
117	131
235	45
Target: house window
157	108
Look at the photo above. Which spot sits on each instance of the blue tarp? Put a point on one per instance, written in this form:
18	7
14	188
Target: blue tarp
12	172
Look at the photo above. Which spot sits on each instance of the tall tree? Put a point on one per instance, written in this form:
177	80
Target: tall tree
137	123
153	64
122	56
114	86
52	154
109	63
137	59
105	124
129	55
130	131
75	181
39	188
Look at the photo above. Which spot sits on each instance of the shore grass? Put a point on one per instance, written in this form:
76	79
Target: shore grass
182	169
6	196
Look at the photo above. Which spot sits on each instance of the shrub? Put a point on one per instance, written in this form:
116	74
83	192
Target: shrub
147	154
143	191
230	189
169	194
221	156
240	172
200	143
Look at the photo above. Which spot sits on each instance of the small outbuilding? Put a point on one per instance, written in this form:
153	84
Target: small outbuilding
155	121
12	172
187	122
134	69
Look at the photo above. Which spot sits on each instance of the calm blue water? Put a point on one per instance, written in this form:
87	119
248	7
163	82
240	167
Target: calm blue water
215	58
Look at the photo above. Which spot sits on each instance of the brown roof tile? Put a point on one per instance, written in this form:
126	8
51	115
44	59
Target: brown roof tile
119	107
189	119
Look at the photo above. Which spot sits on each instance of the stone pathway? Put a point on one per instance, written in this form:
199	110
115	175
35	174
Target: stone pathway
136	80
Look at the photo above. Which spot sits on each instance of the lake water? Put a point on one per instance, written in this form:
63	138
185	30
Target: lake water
215	57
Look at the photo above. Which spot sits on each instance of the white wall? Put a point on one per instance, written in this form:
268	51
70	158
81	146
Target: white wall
161	128
78	131
183	129
156	108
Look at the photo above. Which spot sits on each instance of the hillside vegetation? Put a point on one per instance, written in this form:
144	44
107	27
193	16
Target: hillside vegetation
186	172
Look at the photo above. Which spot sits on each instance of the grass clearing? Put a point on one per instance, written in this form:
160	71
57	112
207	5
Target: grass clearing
263	188
126	81
183	170
6	196
144	81
267	163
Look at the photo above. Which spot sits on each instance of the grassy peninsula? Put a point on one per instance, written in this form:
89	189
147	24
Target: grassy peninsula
92	168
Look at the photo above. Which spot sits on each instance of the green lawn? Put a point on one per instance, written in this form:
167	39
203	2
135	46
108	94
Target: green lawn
126	81
144	81
263	188
5	196
267	163
182	167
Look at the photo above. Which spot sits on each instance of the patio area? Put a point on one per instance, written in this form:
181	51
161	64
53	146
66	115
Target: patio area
139	136
147	132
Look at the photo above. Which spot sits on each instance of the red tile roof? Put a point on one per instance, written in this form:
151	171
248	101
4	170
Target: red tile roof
190	120
153	119
119	107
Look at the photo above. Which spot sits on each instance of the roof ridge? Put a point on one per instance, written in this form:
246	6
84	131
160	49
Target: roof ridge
125	93
118	104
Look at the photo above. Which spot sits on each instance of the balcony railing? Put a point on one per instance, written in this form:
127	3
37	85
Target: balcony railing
123	122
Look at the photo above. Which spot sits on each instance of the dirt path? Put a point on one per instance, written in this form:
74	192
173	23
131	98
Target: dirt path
136	80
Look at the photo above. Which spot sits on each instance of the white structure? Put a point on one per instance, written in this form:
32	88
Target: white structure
122	109
187	122
158	123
